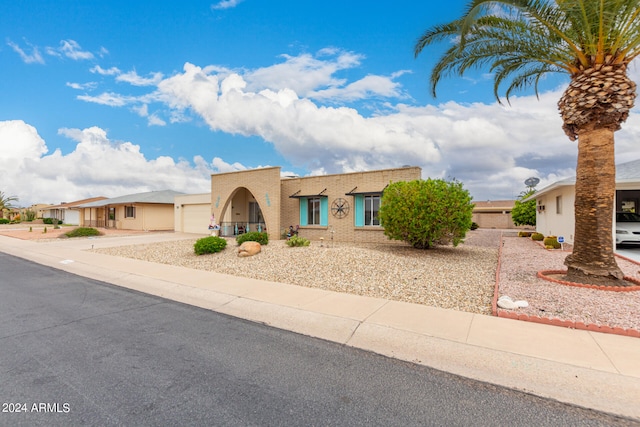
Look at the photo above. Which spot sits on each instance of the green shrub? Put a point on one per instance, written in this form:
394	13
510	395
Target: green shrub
47	221
524	233
31	215
209	245
298	241
253	236
537	237
474	226
425	213
524	213
82	232
551	242
4	221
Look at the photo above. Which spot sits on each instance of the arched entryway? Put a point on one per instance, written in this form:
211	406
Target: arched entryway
241	214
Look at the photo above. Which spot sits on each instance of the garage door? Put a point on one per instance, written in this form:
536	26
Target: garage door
195	218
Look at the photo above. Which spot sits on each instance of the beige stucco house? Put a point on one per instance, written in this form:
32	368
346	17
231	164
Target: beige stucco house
555	204
342	207
151	211
494	214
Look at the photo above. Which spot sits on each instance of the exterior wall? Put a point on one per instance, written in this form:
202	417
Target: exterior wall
499	220
551	223
192	213
334	187
261	185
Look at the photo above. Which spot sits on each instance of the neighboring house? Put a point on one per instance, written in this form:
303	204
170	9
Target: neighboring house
341	207
151	211
555	204
494	214
67	213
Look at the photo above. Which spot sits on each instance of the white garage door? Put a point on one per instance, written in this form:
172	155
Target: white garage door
195	218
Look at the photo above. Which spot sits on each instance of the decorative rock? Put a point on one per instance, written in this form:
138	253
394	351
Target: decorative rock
249	249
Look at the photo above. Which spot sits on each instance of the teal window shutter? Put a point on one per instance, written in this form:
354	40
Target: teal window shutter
324	211
358	213
304	205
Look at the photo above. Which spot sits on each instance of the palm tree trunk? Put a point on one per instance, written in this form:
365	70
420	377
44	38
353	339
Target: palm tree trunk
592	260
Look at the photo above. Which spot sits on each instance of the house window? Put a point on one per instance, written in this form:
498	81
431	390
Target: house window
371	208
313	211
366	210
255	214
558	205
129	211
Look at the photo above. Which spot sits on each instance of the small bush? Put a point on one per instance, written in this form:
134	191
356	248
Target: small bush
474	226
47	221
4	221
82	232
524	233
298	241
253	236
537	237
209	245
551	242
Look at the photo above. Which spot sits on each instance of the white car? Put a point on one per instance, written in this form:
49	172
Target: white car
627	228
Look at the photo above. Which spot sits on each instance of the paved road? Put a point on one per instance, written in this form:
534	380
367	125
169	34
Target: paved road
79	352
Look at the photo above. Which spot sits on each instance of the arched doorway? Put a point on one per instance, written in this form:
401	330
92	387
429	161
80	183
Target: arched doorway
242	214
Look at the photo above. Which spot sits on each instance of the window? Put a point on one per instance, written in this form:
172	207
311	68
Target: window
255	214
313	211
558	204
129	211
371	208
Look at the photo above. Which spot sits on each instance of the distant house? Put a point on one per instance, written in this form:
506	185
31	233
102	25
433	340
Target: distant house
67	213
555	213
494	214
151	211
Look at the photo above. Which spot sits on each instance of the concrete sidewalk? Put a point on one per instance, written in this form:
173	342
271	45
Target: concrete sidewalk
584	368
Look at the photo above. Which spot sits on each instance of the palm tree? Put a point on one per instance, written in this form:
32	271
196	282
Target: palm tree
5	203
593	41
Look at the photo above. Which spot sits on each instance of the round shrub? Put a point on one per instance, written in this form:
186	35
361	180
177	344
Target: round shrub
298	241
253	236
209	245
425	213
4	221
524	233
82	232
537	237
551	242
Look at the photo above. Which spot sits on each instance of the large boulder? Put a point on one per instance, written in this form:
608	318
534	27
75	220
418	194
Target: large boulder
249	249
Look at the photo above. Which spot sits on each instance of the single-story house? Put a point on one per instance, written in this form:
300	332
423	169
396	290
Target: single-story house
340	207
151	211
555	213
68	213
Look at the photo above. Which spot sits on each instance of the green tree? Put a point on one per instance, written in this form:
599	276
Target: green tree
593	42
425	213
524	213
5	203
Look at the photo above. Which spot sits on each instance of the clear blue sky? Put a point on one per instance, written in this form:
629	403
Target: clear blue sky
112	97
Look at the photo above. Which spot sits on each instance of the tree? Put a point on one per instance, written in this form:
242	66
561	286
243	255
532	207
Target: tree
5	203
524	213
426	213
592	41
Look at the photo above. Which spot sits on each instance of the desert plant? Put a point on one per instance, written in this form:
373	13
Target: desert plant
55	223
209	245
298	241
82	232
47	221
253	236
538	237
29	215
425	213
524	233
45	230
474	226
551	242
